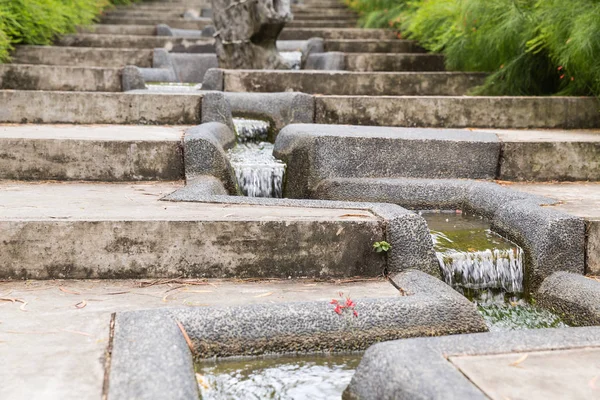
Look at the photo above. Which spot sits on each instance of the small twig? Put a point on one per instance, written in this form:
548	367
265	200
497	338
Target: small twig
186	337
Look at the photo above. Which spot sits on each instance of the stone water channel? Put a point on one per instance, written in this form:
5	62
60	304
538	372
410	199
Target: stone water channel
487	269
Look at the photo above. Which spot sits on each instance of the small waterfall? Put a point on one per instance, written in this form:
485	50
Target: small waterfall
258	173
292	58
474	259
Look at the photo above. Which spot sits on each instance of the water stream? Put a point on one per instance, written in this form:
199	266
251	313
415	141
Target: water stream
487	269
258	173
315	377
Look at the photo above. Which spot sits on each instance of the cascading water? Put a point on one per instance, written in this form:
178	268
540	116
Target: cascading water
292	58
258	173
487	269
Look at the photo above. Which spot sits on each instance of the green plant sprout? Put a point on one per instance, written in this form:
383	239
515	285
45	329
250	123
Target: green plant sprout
382	247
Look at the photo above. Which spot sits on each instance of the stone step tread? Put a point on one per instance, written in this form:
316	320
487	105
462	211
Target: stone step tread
82	56
140	202
104	133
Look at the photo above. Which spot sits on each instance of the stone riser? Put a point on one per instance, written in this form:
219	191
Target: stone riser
372	46
376	62
302	16
83	56
48	77
460	112
132	42
117	153
351	84
99	108
180	23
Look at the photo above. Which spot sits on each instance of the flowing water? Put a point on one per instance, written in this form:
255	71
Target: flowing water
487	269
258	173
292	58
315	377
176	87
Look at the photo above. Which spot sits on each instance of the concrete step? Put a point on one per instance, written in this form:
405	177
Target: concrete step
460	112
58	77
136	42
105	29
178	23
82	56
363	62
581	199
339	33
372	46
352	83
78	230
20	106
91	152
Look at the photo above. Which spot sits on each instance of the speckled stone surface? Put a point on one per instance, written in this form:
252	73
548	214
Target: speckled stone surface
150	357
315	152
415	369
574	297
204	153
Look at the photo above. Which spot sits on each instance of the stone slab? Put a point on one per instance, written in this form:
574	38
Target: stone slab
52	342
336	33
378	62
460	112
352	83
178	23
100	108
372	46
59	77
169	43
280	328
543	375
312	154
88	152
106	29
122	230
581	199
420	368
82	56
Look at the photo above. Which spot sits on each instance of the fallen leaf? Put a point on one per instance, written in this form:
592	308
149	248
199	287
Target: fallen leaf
264	294
81	304
62	289
338	233
186	337
519	361
354	215
202	381
15	300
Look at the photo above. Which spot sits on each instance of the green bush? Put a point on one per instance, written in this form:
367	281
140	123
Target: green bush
530	47
41	21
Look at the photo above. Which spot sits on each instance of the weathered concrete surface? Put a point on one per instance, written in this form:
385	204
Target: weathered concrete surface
372	46
105	29
204	151
557	374
102	153
553	240
423	368
100	108
58	77
247	33
82	56
550	155
107	231
280	109
581	199
575	298
52	342
460	112
352	83
362	62
336	33
178	23
170	43
314	153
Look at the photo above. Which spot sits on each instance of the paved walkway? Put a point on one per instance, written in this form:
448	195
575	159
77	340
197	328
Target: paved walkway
53	337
